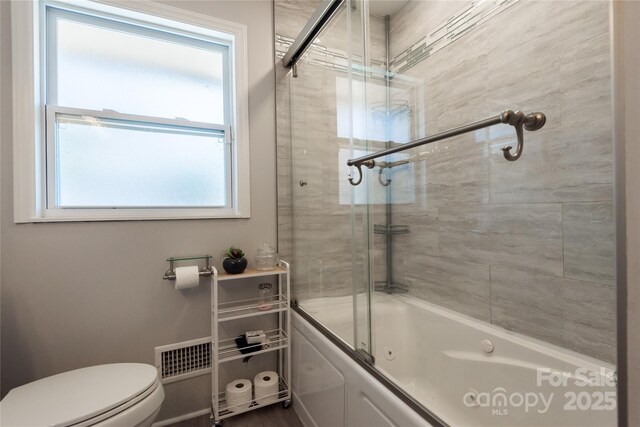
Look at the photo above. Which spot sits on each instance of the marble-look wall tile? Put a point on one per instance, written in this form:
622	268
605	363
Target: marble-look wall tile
589	242
322	276
585	81
449	89
573	314
285	236
456	172
419	17
379	258
570	159
324	261
377	45
290	16
424	233
544	217
284	165
451	283
525	236
569	164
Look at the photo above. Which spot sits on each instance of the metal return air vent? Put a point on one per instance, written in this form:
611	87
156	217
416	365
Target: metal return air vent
183	360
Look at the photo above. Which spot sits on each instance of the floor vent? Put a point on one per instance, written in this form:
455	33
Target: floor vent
183	360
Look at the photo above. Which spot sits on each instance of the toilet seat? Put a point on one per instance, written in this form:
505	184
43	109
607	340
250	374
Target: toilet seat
83	397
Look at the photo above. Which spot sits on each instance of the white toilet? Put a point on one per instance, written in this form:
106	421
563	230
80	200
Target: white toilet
114	395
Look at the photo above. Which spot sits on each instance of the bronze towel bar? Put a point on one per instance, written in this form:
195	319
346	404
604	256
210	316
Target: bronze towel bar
518	120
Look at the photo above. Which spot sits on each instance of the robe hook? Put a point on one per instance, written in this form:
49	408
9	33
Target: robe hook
368	163
518	120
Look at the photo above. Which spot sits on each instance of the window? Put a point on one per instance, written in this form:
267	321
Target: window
135	116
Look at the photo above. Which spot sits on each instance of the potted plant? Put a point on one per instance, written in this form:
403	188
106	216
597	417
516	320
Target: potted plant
235	262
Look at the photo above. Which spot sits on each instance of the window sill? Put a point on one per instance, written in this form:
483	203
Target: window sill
135	215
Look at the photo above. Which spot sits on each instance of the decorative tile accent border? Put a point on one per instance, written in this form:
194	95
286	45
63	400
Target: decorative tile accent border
324	57
446	33
449	31
316	54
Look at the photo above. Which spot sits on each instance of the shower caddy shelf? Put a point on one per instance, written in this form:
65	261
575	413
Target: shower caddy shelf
225	350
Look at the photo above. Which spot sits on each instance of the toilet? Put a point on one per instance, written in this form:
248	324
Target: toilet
113	395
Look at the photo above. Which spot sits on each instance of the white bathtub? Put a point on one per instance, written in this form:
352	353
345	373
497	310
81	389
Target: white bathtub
439	357
331	390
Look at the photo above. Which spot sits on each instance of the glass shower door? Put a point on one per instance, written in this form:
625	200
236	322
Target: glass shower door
331	275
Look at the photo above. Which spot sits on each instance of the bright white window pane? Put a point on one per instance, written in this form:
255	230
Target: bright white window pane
102	68
115	163
366	121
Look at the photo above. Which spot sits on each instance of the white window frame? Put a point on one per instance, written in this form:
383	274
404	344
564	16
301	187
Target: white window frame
29	88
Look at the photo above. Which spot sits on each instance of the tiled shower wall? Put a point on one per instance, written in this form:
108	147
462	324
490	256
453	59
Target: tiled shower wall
526	245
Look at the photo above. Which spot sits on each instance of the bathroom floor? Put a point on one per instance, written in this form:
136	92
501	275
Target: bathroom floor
271	416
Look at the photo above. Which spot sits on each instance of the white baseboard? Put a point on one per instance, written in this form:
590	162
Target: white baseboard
188	416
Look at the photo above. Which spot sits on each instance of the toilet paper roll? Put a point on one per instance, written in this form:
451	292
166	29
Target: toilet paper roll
238	394
187	277
266	387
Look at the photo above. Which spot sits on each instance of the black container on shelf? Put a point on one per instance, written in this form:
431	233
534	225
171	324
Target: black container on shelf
234	265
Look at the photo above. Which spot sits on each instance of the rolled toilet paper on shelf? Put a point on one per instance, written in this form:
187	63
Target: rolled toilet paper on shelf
266	387
187	277
238	395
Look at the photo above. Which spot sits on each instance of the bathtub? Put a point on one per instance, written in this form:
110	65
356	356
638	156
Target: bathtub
471	373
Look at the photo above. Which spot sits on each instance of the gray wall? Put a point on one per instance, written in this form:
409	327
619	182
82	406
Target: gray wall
79	294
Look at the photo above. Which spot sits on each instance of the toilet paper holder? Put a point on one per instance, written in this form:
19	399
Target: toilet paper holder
170	274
